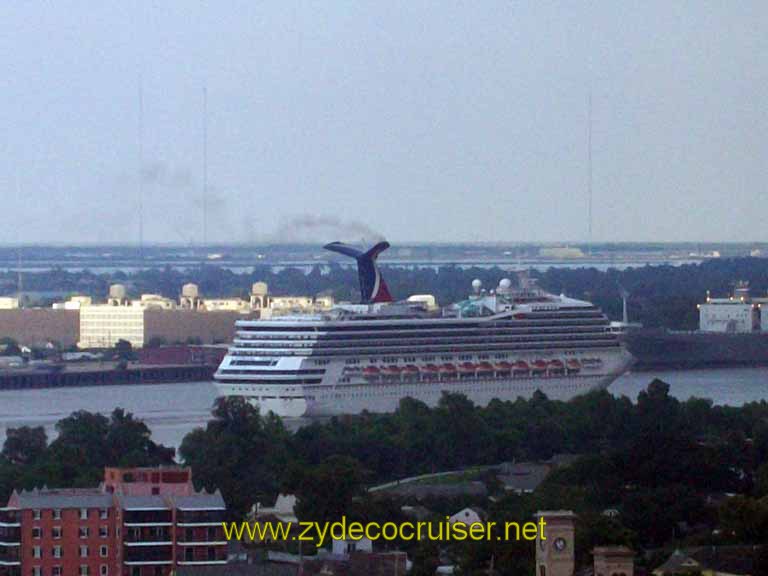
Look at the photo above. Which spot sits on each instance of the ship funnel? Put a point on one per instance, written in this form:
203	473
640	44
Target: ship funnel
372	285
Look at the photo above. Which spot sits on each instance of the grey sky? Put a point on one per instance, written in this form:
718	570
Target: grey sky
424	121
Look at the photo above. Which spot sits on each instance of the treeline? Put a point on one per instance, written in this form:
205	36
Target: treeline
85	445
657	461
665	466
659	295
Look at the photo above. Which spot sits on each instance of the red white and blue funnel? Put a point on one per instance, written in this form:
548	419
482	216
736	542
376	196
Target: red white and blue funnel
372	286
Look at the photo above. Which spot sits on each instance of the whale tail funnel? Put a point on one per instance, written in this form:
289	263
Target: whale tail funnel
372	286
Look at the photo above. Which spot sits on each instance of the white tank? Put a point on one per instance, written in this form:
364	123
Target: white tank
190	291
117	292
476	285
259	289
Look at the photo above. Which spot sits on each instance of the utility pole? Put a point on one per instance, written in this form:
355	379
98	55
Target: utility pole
19	284
205	166
141	168
589	168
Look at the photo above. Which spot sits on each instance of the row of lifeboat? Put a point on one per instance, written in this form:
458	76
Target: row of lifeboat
520	367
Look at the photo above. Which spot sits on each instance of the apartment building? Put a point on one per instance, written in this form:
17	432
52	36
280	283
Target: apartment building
138	522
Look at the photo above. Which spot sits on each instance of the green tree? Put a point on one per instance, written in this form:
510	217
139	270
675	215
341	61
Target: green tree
24	445
240	452
325	492
761	484
124	350
745	519
88	442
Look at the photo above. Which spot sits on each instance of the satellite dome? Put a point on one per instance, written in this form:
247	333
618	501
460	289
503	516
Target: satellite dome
505	283
477	284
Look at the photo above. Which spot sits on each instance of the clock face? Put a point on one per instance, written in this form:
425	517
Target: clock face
560	544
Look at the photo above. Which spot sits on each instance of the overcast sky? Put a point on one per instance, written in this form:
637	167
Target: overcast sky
420	121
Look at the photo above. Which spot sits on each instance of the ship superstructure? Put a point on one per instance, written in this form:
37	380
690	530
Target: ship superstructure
505	343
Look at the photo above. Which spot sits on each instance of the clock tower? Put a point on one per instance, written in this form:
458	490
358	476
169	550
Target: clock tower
555	552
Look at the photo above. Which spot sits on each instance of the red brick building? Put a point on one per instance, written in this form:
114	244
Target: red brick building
139	522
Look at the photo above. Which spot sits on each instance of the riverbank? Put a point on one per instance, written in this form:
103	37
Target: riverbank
664	350
103	374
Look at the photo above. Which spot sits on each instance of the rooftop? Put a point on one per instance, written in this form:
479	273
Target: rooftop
63	498
200	501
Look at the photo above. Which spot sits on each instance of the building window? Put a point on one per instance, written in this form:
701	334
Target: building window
103	531
84	532
37	571
84	570
83	513
36	515
37	532
103	551
57	551
103	570
56	531
36	552
56	514
83	551
104	513
56	571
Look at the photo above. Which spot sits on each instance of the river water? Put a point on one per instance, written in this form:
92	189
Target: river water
173	410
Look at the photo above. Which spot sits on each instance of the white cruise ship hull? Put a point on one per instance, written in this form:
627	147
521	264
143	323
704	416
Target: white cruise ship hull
338	395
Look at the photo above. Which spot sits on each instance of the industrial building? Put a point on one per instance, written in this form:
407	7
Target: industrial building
9	303
151	317
103	326
739	313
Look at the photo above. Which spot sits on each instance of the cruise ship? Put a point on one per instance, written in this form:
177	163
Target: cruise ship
504	343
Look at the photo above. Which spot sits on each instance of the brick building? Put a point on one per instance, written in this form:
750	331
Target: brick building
139	522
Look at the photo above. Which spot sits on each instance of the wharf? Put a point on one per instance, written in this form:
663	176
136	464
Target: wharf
102	374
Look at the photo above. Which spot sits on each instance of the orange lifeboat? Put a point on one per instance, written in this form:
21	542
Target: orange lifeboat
370	372
467	367
391	370
556	364
448	369
485	367
522	367
573	365
410	371
539	365
430	371
503	366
